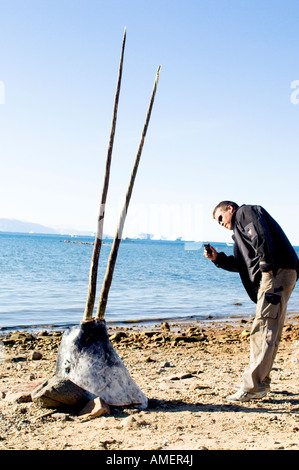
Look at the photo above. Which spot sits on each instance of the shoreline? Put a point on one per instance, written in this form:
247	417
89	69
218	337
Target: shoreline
143	323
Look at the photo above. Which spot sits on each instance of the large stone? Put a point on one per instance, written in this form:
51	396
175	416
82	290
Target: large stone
59	392
94	408
21	393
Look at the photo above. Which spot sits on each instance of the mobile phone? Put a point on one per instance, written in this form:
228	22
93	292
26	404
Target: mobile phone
208	248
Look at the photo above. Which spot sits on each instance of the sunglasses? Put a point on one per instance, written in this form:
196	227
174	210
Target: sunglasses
220	218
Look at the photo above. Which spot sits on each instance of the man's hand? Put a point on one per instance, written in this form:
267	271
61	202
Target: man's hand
212	256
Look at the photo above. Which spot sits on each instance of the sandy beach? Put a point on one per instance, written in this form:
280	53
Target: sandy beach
185	369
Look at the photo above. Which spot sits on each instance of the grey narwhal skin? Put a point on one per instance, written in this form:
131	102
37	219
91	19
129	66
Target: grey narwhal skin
87	357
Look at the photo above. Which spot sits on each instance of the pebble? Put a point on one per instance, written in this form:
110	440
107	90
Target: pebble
94	408
118	336
21	393
165	326
129	423
149	359
245	333
60	416
36	355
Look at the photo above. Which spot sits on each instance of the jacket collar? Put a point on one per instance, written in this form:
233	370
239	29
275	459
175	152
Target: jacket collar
234	219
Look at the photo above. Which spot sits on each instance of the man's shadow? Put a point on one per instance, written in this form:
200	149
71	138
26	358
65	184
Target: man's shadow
171	406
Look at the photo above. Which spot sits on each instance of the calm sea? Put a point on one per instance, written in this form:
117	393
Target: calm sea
44	282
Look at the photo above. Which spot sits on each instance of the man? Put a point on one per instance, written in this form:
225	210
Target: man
269	268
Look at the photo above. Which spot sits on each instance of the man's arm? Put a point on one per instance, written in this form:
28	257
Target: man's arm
221	260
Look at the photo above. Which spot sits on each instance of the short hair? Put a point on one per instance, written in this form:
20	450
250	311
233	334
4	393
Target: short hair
223	205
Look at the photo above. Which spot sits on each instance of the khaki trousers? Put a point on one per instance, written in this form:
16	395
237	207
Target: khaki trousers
273	295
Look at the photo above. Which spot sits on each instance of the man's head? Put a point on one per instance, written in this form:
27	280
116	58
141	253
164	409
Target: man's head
223	213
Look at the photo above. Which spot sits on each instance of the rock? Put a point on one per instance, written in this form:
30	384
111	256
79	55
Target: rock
21	337
197	386
36	355
188	339
43	333
245	334
165	326
129	422
149	359
176	339
118	336
94	408
59	392
181	376
21	393
192	330
148	333
166	364
200	337
60	416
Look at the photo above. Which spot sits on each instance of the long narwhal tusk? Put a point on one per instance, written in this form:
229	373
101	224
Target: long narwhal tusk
99	233
117	239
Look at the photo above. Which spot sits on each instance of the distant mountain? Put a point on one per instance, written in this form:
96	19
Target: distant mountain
21	226
13	225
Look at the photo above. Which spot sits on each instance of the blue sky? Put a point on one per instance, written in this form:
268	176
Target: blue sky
224	125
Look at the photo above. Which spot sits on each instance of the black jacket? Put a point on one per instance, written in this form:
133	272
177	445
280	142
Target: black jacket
260	246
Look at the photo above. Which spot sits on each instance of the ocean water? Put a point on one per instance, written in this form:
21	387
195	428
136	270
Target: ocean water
44	282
